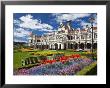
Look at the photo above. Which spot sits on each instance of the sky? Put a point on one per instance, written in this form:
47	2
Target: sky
41	23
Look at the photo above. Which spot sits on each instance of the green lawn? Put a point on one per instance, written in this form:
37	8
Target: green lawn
17	58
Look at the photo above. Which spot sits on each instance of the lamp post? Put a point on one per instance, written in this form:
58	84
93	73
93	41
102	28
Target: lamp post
92	43
91	20
78	34
86	36
79	42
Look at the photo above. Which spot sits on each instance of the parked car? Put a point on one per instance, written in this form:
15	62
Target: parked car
80	50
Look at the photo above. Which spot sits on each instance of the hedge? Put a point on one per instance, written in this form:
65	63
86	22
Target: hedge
87	69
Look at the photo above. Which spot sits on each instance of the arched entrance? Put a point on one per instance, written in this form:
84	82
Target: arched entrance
81	46
71	46
64	46
75	46
95	46
56	46
88	45
59	46
42	46
47	46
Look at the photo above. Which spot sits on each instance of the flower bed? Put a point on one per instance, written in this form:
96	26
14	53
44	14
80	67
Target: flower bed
48	59
64	66
89	54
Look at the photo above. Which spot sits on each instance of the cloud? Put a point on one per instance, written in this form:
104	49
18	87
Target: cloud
95	20
25	24
16	22
46	26
29	22
21	35
85	24
19	40
69	16
46	30
20	32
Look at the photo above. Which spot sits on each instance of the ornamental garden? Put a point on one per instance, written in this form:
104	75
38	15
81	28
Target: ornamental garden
54	62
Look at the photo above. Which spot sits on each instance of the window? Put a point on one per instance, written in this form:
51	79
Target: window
38	40
31	41
89	35
82	37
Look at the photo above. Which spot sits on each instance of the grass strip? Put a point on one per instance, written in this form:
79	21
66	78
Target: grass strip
87	69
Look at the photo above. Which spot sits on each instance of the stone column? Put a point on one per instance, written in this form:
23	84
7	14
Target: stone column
50	46
85	46
58	45
66	45
54	46
62	46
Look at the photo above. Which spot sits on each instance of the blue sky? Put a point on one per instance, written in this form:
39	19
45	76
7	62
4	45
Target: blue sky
40	23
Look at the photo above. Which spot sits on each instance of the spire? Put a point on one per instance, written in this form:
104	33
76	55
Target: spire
61	25
69	24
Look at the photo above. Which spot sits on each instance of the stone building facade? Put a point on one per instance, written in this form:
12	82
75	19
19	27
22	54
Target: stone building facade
65	38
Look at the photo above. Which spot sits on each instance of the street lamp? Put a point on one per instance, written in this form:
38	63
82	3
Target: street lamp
78	34
91	21
86	36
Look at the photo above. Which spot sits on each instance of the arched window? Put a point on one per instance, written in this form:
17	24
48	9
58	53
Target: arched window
88	46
